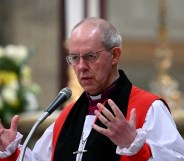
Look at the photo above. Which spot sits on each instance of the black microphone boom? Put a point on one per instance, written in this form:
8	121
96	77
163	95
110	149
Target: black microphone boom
63	95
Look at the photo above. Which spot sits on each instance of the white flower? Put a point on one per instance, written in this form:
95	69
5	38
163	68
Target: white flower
32	101
14	85
9	93
17	53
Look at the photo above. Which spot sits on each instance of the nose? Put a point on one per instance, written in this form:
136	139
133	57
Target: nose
82	65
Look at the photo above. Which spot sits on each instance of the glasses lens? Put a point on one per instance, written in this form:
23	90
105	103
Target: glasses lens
90	56
72	59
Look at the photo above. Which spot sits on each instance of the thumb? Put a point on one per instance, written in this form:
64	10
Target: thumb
132	119
14	123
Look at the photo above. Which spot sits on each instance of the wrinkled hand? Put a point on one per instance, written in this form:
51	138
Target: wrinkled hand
8	135
120	131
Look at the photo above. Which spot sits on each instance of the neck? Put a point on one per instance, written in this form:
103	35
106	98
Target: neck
104	94
100	98
111	82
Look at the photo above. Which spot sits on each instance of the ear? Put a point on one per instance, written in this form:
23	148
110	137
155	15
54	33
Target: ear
116	53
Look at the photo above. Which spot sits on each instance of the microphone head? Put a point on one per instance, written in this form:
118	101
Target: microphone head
67	91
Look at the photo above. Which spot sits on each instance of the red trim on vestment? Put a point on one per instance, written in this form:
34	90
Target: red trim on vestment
142	155
13	157
58	126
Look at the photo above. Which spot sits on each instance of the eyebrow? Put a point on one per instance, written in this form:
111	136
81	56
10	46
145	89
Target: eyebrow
82	53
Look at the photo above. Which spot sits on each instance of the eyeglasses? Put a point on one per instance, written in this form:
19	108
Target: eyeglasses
74	59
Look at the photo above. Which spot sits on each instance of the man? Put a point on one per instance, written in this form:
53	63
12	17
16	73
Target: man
112	120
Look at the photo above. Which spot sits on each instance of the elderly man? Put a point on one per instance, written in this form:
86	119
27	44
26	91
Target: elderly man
112	120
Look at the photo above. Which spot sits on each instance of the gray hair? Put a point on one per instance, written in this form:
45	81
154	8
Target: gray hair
109	34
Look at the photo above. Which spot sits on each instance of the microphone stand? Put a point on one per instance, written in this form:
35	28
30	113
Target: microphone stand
63	95
35	126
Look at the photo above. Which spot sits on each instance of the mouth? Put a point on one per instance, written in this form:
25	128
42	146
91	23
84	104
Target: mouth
85	79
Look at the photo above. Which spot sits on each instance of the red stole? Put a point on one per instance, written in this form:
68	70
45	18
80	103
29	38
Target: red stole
139	99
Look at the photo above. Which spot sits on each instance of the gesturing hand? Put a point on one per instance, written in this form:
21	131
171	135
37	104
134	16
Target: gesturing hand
120	131
8	135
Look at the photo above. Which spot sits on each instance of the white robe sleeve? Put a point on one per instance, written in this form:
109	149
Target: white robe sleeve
162	136
12	147
43	148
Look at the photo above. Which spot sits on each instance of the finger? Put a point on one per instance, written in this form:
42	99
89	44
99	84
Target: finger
116	110
104	120
106	112
1	131
99	129
14	123
132	119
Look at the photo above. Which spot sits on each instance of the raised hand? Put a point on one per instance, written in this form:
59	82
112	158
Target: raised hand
8	135
120	131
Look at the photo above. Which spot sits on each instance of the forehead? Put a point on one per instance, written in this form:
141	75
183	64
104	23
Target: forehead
85	35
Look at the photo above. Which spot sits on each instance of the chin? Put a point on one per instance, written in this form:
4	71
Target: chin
90	90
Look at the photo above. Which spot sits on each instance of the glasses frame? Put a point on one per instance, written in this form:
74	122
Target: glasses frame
69	57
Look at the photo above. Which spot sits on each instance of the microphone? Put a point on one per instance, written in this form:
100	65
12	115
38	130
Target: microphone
63	96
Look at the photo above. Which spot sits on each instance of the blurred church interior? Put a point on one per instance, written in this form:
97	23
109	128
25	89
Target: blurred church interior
153	45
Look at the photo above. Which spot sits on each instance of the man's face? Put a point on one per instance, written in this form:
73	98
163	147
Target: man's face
93	76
